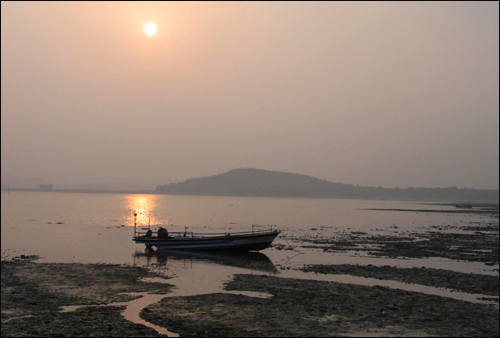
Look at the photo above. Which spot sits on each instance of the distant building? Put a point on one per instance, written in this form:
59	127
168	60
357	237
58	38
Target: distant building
46	187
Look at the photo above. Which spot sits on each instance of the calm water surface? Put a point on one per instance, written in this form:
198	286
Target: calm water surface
98	228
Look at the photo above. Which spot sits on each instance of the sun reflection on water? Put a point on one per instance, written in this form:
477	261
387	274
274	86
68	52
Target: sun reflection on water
146	208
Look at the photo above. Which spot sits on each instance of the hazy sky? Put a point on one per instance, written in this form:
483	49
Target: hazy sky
391	94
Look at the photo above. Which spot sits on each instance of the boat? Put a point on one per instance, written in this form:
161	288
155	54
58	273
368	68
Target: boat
463	206
254	240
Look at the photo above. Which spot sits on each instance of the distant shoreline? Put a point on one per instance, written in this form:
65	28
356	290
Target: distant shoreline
474	203
250	182
487	209
85	191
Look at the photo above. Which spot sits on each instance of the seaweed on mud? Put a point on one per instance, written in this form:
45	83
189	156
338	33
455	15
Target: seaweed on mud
478	246
466	282
468	247
34	293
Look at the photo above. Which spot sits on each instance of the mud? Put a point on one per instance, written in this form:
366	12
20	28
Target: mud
469	283
476	243
314	309
33	294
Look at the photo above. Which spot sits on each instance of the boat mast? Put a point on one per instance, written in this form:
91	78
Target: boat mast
135	224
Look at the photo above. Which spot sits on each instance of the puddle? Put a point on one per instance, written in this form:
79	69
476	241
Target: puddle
132	310
14	318
386	332
181	291
135	307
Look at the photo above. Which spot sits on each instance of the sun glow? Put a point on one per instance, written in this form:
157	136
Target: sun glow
150	29
144	206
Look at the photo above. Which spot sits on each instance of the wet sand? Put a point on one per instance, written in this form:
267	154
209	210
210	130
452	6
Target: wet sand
33	295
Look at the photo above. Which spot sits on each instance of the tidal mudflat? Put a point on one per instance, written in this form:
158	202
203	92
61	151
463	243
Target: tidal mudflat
33	295
70	299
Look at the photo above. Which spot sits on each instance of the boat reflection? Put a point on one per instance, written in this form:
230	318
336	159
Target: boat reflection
245	259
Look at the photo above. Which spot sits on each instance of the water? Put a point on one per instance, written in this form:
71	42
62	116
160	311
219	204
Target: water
98	228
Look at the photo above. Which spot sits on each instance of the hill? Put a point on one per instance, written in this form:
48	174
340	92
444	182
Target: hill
265	183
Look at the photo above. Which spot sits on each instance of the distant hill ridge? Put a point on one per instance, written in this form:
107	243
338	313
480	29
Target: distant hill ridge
266	183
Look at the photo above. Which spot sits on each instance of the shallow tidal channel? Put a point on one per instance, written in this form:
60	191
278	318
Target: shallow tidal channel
206	274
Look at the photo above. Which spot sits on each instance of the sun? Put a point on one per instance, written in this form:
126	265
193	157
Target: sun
150	29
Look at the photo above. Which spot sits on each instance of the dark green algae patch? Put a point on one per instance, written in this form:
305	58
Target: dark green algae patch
303	308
